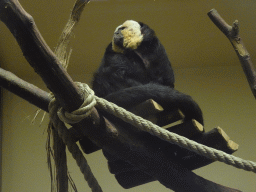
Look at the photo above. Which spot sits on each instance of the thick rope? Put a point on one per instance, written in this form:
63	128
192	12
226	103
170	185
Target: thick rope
184	142
72	147
173	138
84	110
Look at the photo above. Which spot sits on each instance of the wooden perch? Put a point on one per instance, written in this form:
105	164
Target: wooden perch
165	120
113	140
224	142
232	33
148	110
189	129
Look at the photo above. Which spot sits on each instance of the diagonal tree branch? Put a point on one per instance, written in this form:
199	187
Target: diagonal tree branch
39	55
232	33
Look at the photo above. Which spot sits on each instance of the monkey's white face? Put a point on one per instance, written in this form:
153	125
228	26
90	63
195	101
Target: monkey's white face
130	25
129	33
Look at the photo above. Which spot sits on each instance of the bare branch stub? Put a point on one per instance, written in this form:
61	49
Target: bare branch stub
232	33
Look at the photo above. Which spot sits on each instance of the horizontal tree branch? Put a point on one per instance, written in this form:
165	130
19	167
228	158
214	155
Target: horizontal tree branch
113	140
232	33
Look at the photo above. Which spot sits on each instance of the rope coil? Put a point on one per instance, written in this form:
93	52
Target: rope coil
63	132
84	110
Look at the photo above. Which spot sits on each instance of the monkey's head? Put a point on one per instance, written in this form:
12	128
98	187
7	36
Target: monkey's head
127	36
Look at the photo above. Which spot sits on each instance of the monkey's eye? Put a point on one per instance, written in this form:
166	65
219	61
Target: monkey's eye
121	28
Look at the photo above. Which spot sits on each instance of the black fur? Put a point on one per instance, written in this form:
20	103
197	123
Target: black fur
134	76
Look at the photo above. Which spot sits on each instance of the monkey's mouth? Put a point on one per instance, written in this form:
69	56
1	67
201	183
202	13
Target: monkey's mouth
118	37
118	40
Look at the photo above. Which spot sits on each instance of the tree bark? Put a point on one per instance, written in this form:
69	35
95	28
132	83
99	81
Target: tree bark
232	33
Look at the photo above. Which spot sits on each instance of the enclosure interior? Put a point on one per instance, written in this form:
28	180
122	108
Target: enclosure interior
205	64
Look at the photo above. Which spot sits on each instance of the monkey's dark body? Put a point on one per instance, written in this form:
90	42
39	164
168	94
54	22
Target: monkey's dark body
135	75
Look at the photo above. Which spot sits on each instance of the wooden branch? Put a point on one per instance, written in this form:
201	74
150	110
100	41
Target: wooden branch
25	90
232	33
224	142
39	55
147	108
60	159
166	119
114	140
189	129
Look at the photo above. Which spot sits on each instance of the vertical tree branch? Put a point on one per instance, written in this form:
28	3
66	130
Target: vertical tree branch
60	160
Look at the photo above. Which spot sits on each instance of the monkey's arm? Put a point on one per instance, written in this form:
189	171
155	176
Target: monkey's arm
167	97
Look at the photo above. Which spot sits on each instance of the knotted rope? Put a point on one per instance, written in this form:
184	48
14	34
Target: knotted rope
55	111
84	110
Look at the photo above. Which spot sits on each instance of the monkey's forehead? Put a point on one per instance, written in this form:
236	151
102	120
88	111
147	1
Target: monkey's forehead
129	24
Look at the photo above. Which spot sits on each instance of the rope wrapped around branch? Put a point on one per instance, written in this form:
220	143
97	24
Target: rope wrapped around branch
55	111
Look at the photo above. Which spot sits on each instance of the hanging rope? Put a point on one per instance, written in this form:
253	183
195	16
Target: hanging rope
72	146
62	55
163	134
